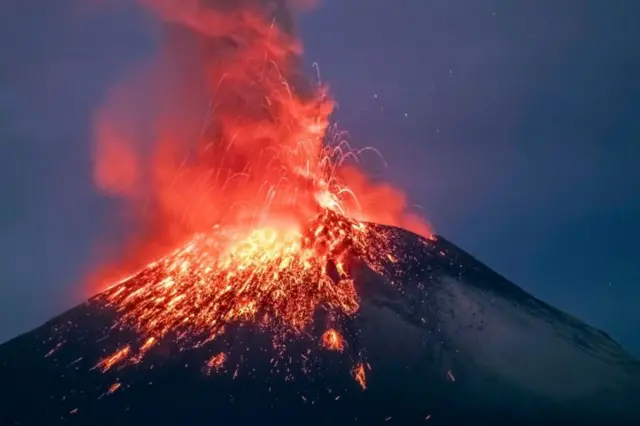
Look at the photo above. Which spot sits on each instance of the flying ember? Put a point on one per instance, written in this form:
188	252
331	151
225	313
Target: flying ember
332	340
264	201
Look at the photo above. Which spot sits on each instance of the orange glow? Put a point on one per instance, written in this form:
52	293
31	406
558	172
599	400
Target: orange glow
110	361
148	344
359	376
231	276
215	363
333	340
221	149
114	387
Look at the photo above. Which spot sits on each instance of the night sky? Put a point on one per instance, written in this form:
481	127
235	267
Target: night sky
514	125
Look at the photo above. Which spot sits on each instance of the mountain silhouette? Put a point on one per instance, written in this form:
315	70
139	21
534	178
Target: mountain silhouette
444	339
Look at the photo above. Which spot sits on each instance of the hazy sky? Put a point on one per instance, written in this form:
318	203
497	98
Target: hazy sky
514	123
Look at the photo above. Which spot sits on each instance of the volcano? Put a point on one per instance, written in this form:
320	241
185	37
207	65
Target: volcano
437	338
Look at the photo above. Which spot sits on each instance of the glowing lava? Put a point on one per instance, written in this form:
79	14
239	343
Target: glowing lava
263	205
215	363
332	340
114	359
274	277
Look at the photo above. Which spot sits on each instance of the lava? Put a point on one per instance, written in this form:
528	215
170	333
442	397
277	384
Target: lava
359	376
261	196
114	387
117	357
215	363
332	340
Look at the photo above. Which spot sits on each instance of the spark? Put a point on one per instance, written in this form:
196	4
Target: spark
114	387
450	376
148	344
113	359
215	363
52	351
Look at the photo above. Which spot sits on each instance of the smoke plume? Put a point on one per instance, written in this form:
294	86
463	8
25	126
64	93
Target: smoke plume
222	127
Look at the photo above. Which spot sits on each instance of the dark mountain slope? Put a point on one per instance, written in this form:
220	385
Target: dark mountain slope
448	341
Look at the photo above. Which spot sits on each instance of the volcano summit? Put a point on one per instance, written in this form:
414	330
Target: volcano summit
416	332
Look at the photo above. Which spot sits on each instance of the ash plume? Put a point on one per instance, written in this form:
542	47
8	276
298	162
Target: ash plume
222	127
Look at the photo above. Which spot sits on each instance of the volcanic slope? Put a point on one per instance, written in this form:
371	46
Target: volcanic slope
438	338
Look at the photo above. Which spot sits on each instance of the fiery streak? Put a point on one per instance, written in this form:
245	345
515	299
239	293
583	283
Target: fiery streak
216	362
146	346
333	340
114	359
359	376
114	387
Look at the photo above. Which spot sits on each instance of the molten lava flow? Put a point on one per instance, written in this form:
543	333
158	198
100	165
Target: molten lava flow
276	277
264	209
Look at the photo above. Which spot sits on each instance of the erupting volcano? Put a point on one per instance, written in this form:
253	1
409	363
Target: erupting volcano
277	279
272	282
264	200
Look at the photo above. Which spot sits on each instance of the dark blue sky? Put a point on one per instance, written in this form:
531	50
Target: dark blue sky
514	124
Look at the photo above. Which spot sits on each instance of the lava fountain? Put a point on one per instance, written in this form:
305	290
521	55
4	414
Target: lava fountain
225	153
